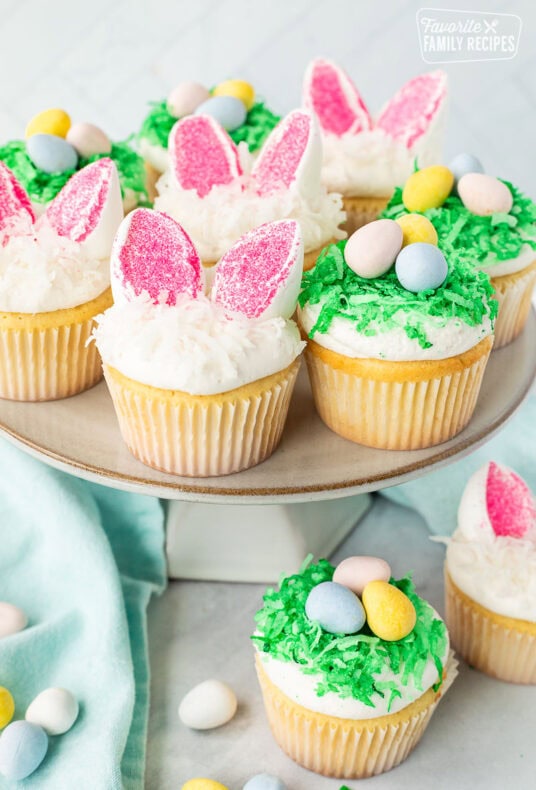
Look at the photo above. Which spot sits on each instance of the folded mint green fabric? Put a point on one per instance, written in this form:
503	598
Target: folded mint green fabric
82	561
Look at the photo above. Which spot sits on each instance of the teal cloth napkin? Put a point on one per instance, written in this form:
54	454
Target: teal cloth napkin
436	496
82	561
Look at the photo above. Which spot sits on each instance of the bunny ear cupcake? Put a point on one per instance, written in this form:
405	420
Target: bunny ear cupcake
54	279
201	383
365	159
213	192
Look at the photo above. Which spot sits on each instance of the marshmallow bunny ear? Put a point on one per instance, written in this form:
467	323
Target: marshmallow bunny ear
89	208
202	155
330	93
509	502
410	113
153	254
292	155
14	202
260	275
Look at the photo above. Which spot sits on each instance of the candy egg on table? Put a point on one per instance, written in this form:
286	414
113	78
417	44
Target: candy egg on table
185	98
390	614
240	89
372	249
463	164
88	140
484	195
203	784
51	154
209	704
7	707
421	267
55	122
416	227
427	188
54	709
356	572
12	619
264	782
335	608
23	747
228	111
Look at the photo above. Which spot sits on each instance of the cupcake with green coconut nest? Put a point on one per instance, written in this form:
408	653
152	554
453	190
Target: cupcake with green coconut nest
351	663
490	222
398	338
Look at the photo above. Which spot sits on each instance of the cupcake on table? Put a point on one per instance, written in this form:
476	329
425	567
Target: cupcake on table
218	195
490	576
366	158
55	148
486	219
352	664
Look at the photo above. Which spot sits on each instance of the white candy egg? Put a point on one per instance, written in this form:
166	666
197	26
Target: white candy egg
209	704
54	709
12	619
484	195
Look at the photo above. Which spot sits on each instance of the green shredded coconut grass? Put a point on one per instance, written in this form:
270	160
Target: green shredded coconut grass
381	304
347	665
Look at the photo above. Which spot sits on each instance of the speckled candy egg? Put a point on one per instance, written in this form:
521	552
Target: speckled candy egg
23	747
372	249
203	784
463	164
264	782
356	572
54	709
55	122
421	267
335	608
390	613
12	619
228	111
416	227
7	707
88	140
427	188
484	195
209	704
240	89
51	154
185	98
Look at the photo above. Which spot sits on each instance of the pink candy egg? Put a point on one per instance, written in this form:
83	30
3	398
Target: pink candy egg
88	139
484	195
372	249
356	572
185	98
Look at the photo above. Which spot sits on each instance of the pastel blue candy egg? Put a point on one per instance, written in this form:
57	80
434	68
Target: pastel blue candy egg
463	164
264	782
421	266
50	153
23	747
336	608
228	111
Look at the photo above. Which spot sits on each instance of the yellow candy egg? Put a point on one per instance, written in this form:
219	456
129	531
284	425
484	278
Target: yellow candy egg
428	188
415	227
55	122
203	784
7	707
390	613
239	89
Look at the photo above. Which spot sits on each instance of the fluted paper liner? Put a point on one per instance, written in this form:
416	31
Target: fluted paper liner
396	405
503	647
362	210
514	294
348	748
202	435
45	356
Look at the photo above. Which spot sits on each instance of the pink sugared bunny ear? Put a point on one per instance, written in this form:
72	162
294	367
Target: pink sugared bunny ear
292	155
153	254
410	113
509	502
330	93
202	155
89	208
14	202
260	275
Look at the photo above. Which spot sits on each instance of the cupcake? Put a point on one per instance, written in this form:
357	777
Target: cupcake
490	576
351	664
491	223
201	383
218	196
54	279
396	354
365	159
54	149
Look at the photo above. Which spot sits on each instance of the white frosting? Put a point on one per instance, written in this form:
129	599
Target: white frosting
449	337
193	346
496	268
156	155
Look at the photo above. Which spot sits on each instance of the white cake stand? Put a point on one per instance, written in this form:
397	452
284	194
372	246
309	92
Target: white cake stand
313	484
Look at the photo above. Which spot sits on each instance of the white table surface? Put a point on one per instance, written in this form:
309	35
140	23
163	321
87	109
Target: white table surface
481	736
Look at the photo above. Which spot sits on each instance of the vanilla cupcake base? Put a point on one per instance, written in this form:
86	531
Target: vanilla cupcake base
202	435
361	210
46	356
514	294
396	405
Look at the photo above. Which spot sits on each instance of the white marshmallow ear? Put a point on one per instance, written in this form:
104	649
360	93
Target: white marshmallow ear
410	113
260	276
202	155
153	254
14	202
291	156
89	208
330	93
